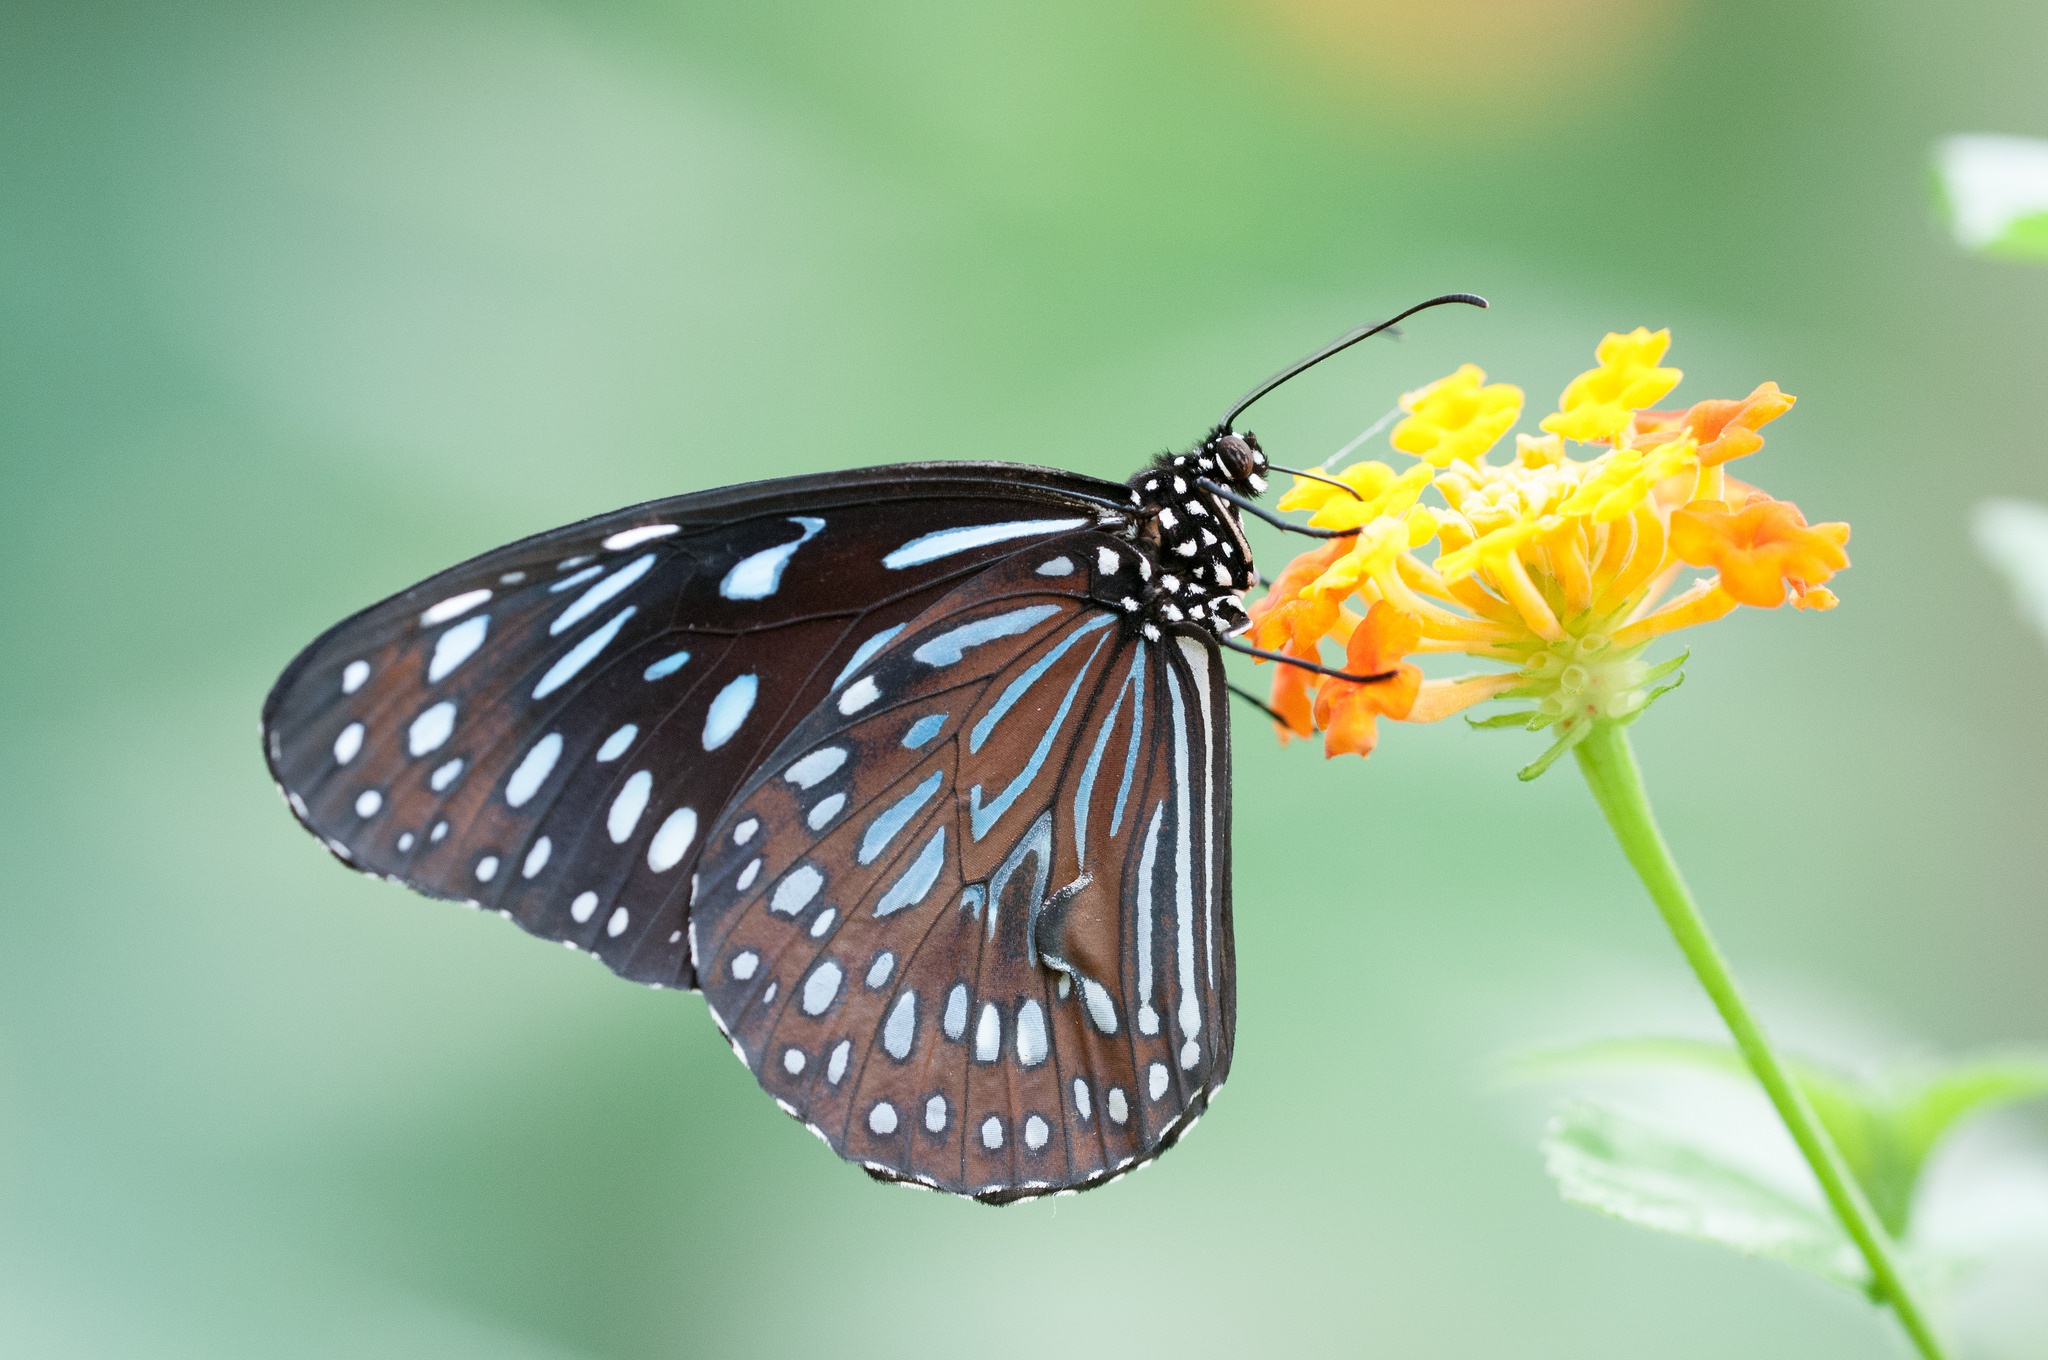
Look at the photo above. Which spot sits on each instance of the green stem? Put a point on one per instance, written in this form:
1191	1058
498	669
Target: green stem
1610	769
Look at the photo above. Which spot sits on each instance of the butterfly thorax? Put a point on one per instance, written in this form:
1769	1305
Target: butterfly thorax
1201	561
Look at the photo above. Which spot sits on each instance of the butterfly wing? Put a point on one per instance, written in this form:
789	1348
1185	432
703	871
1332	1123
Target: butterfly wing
971	921
546	730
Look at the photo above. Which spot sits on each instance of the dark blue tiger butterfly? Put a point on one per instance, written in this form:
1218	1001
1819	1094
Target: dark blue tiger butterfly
919	773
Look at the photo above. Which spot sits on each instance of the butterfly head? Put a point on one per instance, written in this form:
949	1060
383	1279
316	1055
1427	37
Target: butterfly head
1239	460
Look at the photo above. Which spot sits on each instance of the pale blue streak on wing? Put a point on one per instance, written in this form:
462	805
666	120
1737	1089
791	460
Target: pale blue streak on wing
945	542
948	647
983	818
1148	863
917	880
866	653
1024	682
579	656
665	667
1084	796
924	729
1183	863
759	576
591	600
883	829
1116	820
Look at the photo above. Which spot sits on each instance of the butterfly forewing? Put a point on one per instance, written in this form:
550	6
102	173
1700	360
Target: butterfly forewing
551	729
970	921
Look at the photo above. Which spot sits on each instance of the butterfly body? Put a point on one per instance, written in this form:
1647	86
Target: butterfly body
919	773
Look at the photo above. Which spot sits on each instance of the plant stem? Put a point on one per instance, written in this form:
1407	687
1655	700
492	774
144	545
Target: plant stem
1610	768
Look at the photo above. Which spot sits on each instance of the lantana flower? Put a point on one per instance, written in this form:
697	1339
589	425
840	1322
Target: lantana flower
1556	563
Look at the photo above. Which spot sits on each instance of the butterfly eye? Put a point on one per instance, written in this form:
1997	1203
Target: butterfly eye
1239	457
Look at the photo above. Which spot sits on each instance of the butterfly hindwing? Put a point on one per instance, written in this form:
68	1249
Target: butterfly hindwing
549	730
970	922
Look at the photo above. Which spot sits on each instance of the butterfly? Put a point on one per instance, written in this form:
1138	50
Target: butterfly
919	774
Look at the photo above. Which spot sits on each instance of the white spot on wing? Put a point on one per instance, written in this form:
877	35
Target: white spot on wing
796	890
537	858
533	770
431	728
1081	1101
615	745
744	964
633	538
992	1133
1101	1006
456	646
1155	1080
487	868
1119	1108
988	1034
821	988
793	1061
729	710
882	1119
900	1029
627	807
1035	1133
816	766
672	841
445	775
859	695
880	969
825	811
935	1114
353	675
367	803
1058	566
1031	1041
617	925
956	1011
455	606
348	743
836	1067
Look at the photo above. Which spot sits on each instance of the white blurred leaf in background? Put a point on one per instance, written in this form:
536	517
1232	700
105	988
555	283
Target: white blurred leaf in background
1996	191
2013	536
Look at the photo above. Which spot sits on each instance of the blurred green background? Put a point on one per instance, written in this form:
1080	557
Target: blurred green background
299	303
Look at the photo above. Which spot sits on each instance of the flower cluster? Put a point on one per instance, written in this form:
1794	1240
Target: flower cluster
1557	562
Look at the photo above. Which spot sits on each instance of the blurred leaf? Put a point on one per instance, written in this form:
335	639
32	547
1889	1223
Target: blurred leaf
1996	192
1886	1130
1609	1161
2013	536
1927	1111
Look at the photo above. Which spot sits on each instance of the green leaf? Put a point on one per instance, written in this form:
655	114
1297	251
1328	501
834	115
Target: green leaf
1927	1109
1618	1165
1995	191
2013	536
1886	1130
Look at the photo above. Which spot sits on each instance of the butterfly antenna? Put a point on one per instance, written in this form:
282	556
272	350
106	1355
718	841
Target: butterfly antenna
1318	477
1338	347
1260	704
1284	659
